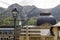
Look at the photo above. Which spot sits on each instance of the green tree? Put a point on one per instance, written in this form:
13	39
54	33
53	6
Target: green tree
32	21
6	21
1	22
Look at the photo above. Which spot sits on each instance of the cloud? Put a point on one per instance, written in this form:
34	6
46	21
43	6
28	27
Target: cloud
37	3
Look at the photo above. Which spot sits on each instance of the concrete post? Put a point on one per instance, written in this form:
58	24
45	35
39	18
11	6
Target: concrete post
55	30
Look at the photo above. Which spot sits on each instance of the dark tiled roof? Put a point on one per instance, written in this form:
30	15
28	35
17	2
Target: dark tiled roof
46	19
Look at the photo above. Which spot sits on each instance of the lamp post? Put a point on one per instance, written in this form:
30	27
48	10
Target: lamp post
15	15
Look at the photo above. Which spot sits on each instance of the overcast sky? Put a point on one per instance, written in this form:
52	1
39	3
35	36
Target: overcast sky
38	3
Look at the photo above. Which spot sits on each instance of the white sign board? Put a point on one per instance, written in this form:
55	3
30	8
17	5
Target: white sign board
45	32
20	23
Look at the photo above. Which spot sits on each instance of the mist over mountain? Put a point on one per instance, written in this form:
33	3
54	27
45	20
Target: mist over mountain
29	11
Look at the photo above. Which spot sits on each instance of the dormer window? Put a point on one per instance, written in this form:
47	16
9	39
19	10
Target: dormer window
45	14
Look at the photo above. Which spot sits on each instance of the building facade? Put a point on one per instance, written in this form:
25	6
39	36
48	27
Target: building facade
42	32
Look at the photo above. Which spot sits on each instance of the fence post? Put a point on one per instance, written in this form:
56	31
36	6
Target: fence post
43	38
27	35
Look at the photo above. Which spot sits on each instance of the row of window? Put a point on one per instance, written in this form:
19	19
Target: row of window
6	39
6	32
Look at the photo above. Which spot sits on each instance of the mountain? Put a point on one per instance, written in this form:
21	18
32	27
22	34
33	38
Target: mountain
1	10
18	7
29	11
56	12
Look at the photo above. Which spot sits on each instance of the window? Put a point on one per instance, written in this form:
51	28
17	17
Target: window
1	38
4	32
12	39
44	14
5	38
10	32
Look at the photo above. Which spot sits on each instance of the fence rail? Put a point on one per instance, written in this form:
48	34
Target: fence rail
39	37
